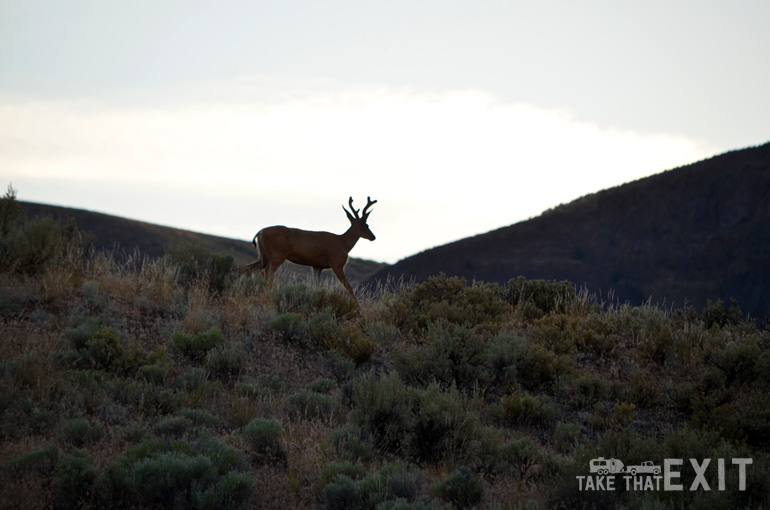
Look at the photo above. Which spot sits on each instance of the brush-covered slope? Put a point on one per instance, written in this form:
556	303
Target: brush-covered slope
684	236
126	236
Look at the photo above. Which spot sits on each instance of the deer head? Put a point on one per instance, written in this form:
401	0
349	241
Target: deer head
358	223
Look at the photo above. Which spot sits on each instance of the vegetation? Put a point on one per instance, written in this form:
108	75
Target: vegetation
180	383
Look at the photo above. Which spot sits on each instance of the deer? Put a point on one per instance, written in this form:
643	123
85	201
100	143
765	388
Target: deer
319	250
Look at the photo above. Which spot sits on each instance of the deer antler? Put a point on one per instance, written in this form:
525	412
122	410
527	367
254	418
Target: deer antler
369	203
353	209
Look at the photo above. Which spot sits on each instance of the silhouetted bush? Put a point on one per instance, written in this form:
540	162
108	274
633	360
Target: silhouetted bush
449	300
540	297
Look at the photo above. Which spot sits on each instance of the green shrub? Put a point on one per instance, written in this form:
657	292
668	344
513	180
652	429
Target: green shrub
74	483
196	264
539	367
79	432
445	426
519	409
177	474
311	405
537	298
346	340
342	493
263	435
462	489
173	426
198	345
719	315
226	361
323	385
382	407
42	242
450	300
351	443
290	327
583	390
153	374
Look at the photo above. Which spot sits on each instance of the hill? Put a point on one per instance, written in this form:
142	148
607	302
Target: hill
125	236
685	236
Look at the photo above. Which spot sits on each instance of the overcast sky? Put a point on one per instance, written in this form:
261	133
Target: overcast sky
459	117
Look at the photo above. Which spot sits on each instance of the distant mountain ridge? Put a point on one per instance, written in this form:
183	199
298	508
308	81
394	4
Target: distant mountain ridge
684	236
122	235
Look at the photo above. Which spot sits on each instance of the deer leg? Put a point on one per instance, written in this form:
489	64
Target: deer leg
344	280
257	264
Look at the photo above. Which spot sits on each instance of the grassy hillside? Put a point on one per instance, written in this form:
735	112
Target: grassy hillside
177	382
687	235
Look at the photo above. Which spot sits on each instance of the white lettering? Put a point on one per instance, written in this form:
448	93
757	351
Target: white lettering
700	478
742	472
668	474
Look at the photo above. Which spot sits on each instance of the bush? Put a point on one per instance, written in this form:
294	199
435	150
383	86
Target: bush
382	407
41	243
347	341
537	298
519	409
289	326
263	435
79	431
196	264
450	300
177	474
444	426
311	405
198	345
462	489
226	361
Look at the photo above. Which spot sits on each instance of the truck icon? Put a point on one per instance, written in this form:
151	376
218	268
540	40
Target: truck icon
604	466
644	467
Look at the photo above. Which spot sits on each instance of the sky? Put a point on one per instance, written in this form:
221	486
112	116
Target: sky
458	117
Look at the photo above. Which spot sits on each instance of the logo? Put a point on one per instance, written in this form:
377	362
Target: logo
608	474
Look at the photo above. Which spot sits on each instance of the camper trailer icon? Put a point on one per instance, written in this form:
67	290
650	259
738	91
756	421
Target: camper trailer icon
604	466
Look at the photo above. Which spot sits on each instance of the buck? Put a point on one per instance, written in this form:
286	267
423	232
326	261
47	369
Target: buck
319	250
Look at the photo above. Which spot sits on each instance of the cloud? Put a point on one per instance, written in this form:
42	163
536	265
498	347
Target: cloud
443	165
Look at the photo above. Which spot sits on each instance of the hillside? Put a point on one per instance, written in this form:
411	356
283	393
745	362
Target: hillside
683	236
163	388
125	236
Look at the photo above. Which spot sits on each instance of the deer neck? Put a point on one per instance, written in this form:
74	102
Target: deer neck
350	238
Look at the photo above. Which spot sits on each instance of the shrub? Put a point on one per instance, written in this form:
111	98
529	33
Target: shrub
444	426
311	405
177	474
153	374
263	435
347	341
539	367
719	315
537	298
289	326
462	489
226	361
323	385
40	243
382	407
519	409
351	443
198	345
195	263
79	431
450	300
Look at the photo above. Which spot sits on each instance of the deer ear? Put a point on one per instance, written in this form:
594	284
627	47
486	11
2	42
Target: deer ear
350	216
